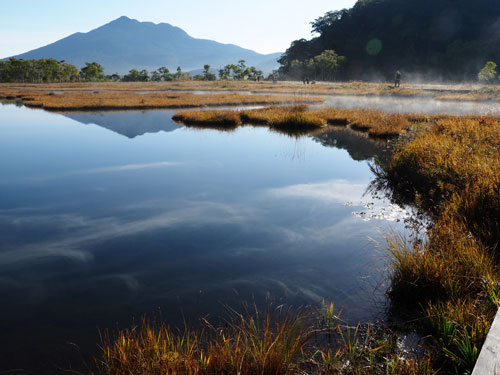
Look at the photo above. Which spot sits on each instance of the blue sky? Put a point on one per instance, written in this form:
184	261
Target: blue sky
262	25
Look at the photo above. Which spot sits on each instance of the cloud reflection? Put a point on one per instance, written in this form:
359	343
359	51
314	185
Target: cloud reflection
332	191
110	169
88	231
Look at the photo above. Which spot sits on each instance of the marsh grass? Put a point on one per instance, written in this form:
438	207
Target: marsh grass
289	119
299	118
460	328
277	341
268	343
354	88
112	100
450	169
229	119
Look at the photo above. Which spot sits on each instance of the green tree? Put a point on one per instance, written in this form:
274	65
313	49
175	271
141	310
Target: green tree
254	73
488	73
155	76
321	24
37	71
178	75
136	76
239	71
327	64
70	73
207	75
92	72
165	74
114	77
225	73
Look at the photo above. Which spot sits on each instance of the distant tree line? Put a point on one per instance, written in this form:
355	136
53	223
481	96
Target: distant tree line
240	72
37	71
52	70
448	39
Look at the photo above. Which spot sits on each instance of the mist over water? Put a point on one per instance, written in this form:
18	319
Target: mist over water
414	105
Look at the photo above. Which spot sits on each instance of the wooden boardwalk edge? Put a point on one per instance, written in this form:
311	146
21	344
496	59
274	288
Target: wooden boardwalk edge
488	362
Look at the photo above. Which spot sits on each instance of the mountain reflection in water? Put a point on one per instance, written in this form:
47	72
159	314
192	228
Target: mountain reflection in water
130	124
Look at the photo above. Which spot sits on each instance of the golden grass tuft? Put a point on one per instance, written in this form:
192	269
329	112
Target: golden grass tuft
211	118
248	344
278	342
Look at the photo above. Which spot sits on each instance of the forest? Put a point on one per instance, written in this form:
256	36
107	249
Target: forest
426	39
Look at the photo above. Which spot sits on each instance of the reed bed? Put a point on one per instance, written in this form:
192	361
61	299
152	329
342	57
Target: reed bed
275	342
245	345
109	100
450	170
289	118
211	118
378	124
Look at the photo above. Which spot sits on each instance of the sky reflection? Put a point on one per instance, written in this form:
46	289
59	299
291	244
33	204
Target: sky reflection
97	228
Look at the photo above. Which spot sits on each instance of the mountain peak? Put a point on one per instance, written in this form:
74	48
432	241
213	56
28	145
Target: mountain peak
127	43
124	20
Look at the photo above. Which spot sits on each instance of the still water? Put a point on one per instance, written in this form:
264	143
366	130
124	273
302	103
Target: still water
108	216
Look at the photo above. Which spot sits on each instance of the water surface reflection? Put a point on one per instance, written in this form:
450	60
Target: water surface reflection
96	228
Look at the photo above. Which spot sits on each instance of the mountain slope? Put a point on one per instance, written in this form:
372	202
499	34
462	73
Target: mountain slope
125	43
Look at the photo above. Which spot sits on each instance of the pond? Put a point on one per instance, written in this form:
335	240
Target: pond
105	217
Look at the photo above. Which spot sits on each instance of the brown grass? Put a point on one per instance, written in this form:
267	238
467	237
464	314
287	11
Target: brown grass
278	342
444	92
129	100
378	124
293	118
249	344
450	169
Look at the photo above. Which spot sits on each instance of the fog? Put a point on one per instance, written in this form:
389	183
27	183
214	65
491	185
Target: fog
414	105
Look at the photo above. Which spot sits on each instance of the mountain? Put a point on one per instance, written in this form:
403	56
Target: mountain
125	43
429	39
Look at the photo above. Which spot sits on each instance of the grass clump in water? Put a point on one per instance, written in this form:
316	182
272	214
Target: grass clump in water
213	118
296	117
276	342
247	344
299	118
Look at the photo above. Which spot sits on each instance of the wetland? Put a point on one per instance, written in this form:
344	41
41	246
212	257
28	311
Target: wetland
108	216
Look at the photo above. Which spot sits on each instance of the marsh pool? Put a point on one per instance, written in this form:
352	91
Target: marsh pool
105	217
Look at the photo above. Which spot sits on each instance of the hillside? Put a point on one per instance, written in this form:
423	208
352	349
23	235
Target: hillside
426	39
125	43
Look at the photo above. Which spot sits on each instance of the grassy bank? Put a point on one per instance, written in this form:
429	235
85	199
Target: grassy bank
450	170
130	100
